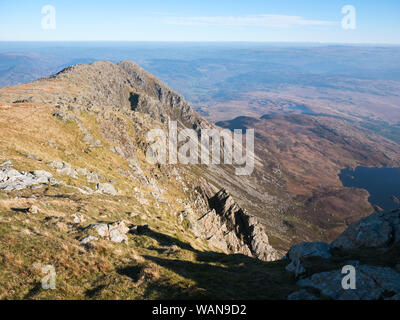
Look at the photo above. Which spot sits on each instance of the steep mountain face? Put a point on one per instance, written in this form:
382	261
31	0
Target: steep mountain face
230	227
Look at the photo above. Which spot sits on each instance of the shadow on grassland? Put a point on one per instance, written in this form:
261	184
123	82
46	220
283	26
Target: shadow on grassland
218	275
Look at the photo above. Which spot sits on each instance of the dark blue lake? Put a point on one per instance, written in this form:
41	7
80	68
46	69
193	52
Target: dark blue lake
382	183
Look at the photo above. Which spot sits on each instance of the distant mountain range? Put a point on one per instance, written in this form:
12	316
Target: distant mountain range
224	81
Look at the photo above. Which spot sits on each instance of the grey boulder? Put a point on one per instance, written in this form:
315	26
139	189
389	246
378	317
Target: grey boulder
376	231
115	232
372	283
306	249
106	188
11	179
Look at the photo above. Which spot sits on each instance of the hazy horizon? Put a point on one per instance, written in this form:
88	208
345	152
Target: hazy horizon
335	21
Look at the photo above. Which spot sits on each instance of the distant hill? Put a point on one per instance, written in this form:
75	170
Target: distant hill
239	79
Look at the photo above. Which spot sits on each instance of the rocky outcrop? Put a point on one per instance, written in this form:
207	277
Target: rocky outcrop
376	231
247	229
78	218
231	229
125	85
63	168
106	188
306	249
88	239
11	179
379	232
115	232
372	283
153	97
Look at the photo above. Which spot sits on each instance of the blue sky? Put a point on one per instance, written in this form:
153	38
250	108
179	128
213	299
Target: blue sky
201	20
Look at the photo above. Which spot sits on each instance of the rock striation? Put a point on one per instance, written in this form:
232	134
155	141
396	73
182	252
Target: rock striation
230	228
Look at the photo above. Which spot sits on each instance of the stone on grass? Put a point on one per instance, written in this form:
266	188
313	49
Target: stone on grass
106	188
78	218
33	209
115	232
42	176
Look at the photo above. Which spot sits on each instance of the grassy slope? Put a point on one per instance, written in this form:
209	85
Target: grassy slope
166	262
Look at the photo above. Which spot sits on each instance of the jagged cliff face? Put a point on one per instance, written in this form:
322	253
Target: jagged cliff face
230	228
